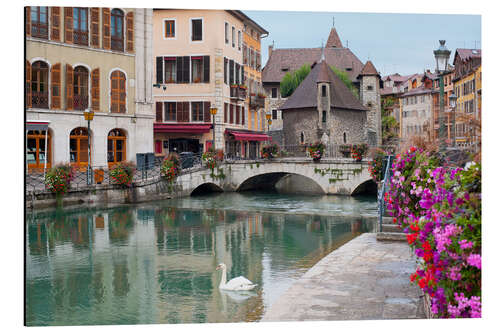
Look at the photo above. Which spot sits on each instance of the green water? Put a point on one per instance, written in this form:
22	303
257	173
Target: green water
155	263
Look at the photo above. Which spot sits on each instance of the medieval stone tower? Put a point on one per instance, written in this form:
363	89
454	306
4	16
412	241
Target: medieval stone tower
369	94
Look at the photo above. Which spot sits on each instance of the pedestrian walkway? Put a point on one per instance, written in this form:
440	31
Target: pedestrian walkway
363	279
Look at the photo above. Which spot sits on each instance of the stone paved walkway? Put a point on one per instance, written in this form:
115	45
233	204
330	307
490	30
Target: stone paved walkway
363	279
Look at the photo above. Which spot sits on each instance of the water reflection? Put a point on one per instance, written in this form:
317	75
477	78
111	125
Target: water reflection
156	263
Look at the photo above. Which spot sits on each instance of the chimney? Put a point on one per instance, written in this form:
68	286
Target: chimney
270	51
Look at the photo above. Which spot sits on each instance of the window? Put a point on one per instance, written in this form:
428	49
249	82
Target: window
39	22
369	88
117	151
36	151
302	138
40	85
239	40
169	28
226	32
196	30
80	88
117	30
78	147
225	70
196	111
345	137
275	114
118	92
233	36
170	69
80	27
323	118
323	90
170	111
200	69
274	93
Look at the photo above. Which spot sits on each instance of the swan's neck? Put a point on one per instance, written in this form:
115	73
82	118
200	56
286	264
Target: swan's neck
223	278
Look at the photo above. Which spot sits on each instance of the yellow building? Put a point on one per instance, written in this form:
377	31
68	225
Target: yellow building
467	85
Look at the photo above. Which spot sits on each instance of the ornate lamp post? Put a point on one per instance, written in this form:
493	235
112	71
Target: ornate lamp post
453	103
88	115
442	54
213	112
269	120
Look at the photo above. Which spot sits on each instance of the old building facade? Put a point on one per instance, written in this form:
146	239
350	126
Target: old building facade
81	59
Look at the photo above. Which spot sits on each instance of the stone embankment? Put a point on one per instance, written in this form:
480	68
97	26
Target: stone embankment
363	279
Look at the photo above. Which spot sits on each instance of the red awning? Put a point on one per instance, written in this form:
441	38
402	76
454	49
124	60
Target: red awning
182	128
249	136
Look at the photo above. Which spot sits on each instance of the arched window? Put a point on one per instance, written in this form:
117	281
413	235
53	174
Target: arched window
117	30
78	147
80	88
302	138
36	152
118	93
117	146
40	85
345	137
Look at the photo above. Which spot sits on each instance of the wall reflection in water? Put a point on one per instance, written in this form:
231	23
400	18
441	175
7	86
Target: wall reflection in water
153	264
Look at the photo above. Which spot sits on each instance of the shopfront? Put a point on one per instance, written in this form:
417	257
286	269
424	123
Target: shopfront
244	144
180	138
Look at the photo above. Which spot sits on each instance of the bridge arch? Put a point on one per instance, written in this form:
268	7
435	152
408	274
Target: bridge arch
206	188
283	182
369	186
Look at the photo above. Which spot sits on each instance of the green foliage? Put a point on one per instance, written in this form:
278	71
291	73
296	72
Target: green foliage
122	173
291	81
58	178
389	124
342	75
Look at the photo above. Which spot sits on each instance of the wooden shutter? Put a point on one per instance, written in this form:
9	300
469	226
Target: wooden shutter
28	20
95	90
122	85
159	70
185	70
159	112
238	110
206	112
130	31
68	24
225	70
231	72
179	69
183	111
94	27
28	84
243	115
237	73
225	113
106	28
206	69
69	87
55	78
55	20
231	116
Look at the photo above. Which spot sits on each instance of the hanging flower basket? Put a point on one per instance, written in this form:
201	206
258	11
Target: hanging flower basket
122	173
270	151
358	151
316	151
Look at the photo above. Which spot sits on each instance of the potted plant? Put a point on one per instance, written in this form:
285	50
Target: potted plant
260	95
270	151
122	173
210	159
242	86
316	151
170	167
58	180
375	166
358	151
345	150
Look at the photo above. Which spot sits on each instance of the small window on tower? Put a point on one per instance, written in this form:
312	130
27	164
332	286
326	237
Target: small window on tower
323	91
345	137
323	118
369	87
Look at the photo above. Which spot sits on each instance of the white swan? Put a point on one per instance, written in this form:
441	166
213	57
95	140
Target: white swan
238	283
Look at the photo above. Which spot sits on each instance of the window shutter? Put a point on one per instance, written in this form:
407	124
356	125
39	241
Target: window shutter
231	116
225	70
159	112
94	27
28	20
243	116
95	91
55	78
225	113
231	71
206	69
159	70
237	109
184	111
242	75
185	69
106	30
206	112
55	32
130	31
237	79
179	69
69	87
68	24
28	83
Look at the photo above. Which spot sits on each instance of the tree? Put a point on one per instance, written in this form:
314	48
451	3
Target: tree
344	77
291	81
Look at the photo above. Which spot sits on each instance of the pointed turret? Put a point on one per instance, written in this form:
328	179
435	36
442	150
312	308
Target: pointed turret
333	39
369	69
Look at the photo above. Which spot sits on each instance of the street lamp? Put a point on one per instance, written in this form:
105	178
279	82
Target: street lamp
269	120
88	115
213	112
453	102
442	54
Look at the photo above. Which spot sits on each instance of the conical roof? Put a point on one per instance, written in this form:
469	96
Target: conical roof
369	69
333	39
305	96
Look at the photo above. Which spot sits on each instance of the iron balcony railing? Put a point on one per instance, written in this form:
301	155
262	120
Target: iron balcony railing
80	102
257	101
238	93
40	99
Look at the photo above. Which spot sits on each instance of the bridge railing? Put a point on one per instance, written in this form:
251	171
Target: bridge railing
383	189
331	151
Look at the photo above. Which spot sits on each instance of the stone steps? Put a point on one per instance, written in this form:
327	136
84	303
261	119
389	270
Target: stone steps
391	236
391	228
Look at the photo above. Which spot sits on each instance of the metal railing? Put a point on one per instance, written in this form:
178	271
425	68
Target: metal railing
383	188
331	151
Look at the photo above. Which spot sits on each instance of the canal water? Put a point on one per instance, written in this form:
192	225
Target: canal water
155	263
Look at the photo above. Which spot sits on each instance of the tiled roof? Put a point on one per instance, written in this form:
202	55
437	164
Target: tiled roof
419	91
333	39
293	59
323	73
466	54
369	69
305	96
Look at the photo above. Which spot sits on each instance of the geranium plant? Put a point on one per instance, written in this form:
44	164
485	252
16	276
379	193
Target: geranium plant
122	173
375	166
358	151
270	151
210	159
316	150
58	178
169	169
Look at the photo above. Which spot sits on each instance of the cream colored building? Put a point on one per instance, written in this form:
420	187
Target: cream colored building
199	65
95	59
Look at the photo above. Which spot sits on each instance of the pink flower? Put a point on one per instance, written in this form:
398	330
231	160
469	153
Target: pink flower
474	260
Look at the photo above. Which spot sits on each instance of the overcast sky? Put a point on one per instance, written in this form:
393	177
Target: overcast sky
401	43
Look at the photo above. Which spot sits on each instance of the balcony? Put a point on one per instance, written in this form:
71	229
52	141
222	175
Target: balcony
257	101
238	93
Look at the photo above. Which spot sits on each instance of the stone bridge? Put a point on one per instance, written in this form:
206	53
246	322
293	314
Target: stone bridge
287	175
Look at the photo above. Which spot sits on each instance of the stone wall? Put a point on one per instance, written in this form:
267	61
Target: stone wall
370	97
353	123
298	121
